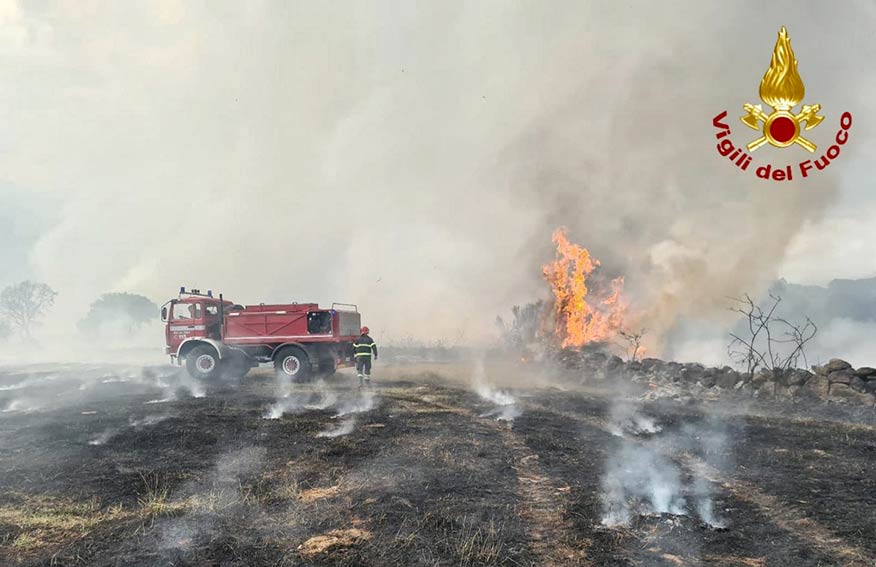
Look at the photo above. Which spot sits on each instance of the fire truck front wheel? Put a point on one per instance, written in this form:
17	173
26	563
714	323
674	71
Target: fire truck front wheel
292	363
202	362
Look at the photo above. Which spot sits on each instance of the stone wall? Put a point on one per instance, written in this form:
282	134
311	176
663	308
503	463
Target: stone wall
835	381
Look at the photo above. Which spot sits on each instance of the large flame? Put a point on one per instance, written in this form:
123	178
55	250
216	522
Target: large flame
781	86
582	315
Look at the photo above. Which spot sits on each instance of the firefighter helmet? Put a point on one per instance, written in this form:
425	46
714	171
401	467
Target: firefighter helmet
364	330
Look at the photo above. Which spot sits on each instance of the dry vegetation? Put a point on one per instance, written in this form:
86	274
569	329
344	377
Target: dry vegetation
427	477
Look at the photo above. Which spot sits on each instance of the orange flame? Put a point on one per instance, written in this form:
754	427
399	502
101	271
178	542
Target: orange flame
577	321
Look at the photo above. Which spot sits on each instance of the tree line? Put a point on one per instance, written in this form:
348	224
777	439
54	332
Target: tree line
24	306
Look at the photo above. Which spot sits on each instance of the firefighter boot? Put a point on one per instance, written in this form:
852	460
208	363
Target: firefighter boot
360	380
368	380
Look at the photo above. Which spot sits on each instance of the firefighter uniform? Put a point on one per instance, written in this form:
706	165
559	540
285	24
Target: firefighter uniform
363	349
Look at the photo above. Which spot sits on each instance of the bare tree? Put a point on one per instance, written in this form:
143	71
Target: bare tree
633	342
23	304
5	330
796	336
744	348
771	342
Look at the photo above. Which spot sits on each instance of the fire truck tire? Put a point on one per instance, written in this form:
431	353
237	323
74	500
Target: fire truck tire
292	363
203	362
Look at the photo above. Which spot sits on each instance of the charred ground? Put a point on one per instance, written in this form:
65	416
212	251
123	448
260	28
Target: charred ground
123	466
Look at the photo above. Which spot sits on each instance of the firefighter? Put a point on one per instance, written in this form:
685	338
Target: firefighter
363	349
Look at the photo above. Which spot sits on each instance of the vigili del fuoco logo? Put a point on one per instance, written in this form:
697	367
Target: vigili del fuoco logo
782	89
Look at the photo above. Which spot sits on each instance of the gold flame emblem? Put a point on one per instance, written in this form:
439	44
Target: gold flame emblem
782	88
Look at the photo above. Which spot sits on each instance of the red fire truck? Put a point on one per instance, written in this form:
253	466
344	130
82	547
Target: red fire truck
213	336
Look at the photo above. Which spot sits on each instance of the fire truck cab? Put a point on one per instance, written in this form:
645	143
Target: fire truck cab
213	336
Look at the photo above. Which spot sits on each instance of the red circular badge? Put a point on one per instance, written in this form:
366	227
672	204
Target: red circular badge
783	129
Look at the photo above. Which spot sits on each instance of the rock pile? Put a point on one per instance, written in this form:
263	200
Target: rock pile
862	380
836	380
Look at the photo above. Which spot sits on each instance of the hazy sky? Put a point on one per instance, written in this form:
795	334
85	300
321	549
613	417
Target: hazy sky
414	158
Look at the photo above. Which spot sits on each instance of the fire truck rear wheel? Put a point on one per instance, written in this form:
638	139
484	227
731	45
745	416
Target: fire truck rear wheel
292	363
202	362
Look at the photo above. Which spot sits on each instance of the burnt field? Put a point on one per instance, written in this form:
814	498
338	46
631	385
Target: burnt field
113	465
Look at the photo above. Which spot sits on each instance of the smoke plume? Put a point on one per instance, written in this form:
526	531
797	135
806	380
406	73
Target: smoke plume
641	478
345	427
506	408
412	160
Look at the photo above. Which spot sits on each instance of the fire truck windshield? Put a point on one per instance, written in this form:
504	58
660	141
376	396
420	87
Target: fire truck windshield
186	311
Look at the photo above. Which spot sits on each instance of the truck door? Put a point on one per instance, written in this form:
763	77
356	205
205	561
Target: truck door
212	322
186	321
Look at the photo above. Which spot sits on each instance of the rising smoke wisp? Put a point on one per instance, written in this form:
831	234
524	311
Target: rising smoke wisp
505	404
641	478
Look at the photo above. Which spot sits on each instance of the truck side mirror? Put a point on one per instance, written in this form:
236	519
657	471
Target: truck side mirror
164	313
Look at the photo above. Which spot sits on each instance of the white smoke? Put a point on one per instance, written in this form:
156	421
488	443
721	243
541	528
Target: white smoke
638	480
104	437
705	504
541	113
498	397
170	380
20	405
147	421
364	401
318	396
179	534
847	339
345	403
195	387
220	490
345	427
625	417
289	405
506	404
136	424
641	479
30	382
324	397
504	412
49	387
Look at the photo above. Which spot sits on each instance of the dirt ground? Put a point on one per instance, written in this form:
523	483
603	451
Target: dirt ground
123	465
